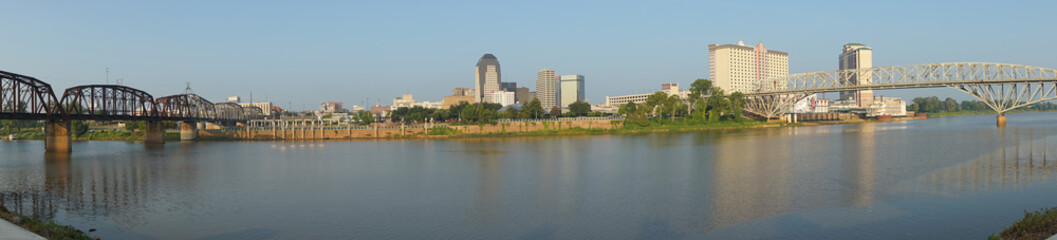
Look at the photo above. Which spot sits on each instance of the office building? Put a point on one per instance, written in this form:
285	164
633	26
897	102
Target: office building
403	101
234	99
503	98
266	107
857	56
572	89
547	88
508	86
521	95
486	78
740	68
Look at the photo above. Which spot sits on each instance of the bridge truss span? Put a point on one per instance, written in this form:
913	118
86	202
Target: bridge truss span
25	97
108	102
1002	86
185	107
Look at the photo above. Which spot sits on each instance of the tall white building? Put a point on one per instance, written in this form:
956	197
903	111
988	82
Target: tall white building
547	88
572	89
504	98
857	56
739	68
486	78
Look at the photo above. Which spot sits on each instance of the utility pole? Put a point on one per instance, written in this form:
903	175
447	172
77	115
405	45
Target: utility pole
107	75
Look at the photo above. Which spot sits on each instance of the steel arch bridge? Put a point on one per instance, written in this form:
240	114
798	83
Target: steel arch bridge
1002	87
28	98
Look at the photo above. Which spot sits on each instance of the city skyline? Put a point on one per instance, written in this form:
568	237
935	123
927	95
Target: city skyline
344	53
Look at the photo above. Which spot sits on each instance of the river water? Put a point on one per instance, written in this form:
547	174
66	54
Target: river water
952	177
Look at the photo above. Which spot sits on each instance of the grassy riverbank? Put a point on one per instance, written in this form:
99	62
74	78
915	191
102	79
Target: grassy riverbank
48	229
1035	225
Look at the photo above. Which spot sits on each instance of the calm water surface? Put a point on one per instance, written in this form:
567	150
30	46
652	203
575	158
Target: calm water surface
955	177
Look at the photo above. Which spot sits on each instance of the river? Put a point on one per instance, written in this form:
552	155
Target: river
951	177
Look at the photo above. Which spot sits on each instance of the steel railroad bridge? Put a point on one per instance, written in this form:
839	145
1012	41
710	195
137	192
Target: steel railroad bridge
1003	87
27	98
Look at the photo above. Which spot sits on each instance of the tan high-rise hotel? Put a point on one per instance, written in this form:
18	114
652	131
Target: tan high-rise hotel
857	56
738	68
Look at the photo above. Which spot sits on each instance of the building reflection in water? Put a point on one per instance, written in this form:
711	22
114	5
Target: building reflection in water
751	181
859	150
1020	158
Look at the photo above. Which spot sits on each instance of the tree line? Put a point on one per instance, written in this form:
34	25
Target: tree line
487	112
705	104
934	105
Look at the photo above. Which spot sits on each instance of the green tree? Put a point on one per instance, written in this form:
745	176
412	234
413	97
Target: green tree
737	104
534	109
78	128
365	117
672	105
134	126
556	112
580	108
699	88
717	105
470	114
950	105
627	108
913	107
655	101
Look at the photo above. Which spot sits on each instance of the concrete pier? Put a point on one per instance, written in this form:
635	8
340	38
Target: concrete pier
1001	120
154	132
57	136
188	131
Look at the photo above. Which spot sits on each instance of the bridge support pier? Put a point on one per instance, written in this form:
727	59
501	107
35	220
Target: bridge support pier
188	131
154	132
1001	120
57	136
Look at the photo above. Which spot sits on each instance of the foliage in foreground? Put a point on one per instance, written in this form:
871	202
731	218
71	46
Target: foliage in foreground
1035	225
49	229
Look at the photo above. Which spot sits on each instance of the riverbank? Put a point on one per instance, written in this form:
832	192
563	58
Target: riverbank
1040	224
49	229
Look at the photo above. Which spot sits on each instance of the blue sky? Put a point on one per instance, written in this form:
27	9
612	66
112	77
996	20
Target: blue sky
301	53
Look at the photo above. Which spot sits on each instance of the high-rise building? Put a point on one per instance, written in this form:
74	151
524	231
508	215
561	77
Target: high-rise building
522	95
739	68
857	56
547	88
487	78
508	86
572	89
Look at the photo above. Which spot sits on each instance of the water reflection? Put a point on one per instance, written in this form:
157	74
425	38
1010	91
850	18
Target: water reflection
1019	159
658	185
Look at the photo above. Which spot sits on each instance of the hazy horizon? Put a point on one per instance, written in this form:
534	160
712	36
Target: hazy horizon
302	54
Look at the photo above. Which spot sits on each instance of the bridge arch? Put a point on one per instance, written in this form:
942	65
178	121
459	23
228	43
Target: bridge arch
1002	86
186	106
108	102
25	97
229	112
